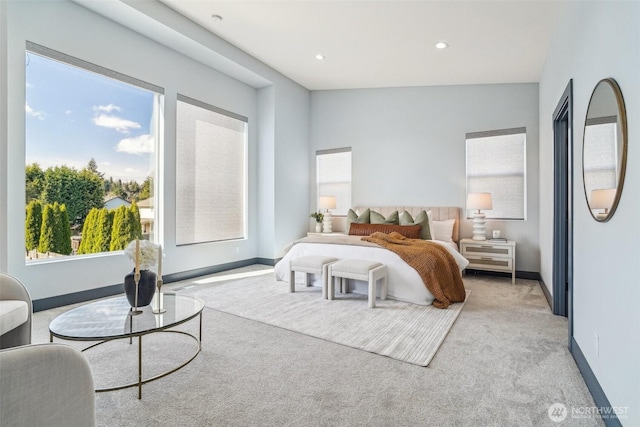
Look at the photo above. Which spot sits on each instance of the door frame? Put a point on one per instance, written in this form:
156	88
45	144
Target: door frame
563	207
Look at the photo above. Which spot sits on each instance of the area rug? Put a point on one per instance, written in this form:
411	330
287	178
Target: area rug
403	331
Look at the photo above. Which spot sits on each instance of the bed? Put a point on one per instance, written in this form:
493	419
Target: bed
404	283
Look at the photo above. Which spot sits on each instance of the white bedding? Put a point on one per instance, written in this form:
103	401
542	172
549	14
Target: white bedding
404	283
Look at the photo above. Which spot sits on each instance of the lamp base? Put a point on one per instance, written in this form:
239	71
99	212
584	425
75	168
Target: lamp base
327	223
479	231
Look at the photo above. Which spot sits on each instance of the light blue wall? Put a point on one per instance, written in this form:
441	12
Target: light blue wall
409	146
72	29
595	40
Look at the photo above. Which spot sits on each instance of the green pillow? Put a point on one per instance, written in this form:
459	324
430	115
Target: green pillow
422	219
353	217
377	218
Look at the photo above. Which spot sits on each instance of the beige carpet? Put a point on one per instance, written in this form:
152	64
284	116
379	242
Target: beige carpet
403	331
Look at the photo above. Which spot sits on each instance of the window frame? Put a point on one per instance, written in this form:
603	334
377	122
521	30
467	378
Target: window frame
492	134
245	176
156	129
350	183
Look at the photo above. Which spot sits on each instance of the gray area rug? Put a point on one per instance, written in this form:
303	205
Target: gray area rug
403	331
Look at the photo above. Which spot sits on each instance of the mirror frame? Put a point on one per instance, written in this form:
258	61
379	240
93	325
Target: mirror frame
622	112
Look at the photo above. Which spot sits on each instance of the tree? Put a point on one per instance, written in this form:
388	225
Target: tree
120	231
34	177
88	233
103	227
136	224
79	191
65	242
147	188
33	224
47	242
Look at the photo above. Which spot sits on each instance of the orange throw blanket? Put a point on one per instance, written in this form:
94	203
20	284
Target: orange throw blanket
435	265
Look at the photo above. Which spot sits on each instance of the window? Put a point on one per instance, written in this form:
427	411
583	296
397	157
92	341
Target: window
496	164
211	173
333	177
91	144
601	160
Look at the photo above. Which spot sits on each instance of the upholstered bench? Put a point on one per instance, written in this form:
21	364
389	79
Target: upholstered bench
310	264
357	269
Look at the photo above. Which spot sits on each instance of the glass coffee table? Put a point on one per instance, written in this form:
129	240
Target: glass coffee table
110	319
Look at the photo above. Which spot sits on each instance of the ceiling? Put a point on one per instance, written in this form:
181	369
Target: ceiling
370	44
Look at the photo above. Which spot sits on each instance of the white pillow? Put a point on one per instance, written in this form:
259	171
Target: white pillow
443	230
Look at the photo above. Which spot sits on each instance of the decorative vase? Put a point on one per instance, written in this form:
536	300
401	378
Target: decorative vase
318	227
146	287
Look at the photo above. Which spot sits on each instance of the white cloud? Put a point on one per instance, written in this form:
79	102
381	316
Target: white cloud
111	122
68	112
137	144
33	113
106	108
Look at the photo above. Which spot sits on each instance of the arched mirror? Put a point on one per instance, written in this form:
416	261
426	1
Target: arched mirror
604	150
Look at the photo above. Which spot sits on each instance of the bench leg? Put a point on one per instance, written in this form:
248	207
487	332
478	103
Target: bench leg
331	284
372	290
292	281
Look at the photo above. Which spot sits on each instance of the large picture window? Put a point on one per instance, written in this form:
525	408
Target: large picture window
496	164
211	173
91	144
333	177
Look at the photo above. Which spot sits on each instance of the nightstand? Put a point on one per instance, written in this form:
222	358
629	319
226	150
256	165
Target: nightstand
490	256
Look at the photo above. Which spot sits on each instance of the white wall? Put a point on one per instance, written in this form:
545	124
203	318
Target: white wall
409	146
596	40
74	30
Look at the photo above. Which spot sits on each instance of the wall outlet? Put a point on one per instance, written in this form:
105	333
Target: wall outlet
597	343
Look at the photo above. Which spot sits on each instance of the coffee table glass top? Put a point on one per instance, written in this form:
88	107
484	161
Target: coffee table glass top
110	319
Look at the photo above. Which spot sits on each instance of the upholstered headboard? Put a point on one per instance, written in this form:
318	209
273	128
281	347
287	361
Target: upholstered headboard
441	213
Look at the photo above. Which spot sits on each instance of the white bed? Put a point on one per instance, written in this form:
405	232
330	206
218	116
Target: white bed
404	283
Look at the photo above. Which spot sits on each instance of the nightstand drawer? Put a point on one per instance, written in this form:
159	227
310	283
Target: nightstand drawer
491	263
493	251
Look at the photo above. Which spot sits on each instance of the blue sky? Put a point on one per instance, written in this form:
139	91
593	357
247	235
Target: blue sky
73	115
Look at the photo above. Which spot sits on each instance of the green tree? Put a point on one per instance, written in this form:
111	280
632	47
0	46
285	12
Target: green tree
47	238
136	224
88	233
80	191
103	227
34	177
65	243
147	188
33	224
121	230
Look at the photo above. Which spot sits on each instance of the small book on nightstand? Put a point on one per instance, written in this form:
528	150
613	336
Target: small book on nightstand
498	240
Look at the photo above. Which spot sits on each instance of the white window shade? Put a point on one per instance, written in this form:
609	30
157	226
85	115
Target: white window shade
211	173
333	169
496	164
601	160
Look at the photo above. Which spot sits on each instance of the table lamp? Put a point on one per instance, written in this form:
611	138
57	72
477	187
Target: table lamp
326	203
602	198
479	201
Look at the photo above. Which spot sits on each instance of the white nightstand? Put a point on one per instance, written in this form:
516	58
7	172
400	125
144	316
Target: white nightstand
490	256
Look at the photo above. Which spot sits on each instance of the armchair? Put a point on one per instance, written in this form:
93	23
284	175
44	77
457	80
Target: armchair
16	310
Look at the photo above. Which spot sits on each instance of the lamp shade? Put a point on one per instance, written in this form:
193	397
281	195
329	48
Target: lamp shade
479	201
602	198
327	202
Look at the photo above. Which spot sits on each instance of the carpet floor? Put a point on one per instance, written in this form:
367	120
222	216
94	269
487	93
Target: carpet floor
503	363
407	332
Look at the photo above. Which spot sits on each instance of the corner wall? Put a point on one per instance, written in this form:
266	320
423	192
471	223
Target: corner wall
408	146
595	40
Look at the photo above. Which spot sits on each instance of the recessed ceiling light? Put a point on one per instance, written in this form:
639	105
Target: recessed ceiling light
216	18
319	56
442	45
